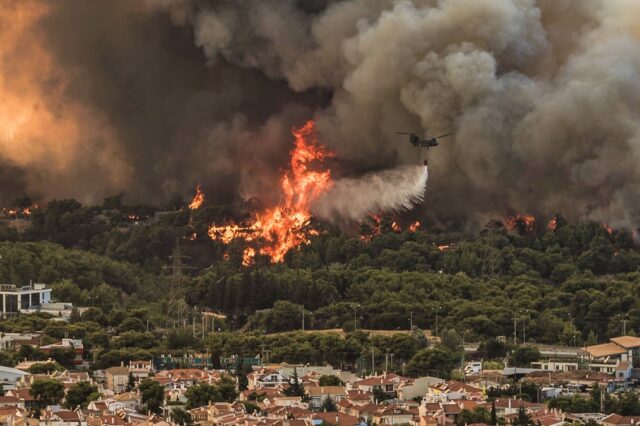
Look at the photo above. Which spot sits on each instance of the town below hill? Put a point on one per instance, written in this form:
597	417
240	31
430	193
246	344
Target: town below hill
115	315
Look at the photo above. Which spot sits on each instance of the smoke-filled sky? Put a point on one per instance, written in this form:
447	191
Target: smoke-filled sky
153	96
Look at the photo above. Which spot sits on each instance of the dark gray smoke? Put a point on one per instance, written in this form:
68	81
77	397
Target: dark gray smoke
543	96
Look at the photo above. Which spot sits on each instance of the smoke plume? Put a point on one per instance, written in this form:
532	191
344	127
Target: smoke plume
353	199
543	98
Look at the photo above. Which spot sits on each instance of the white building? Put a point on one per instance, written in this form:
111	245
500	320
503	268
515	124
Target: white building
10	376
14	299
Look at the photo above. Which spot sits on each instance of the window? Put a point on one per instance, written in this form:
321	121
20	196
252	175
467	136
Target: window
24	301
35	299
11	303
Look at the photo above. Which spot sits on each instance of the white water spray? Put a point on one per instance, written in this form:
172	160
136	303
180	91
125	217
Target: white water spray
390	190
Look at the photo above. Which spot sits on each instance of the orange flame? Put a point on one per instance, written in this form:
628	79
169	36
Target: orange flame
395	227
248	255
20	211
607	228
523	222
283	227
198	199
553	224
414	226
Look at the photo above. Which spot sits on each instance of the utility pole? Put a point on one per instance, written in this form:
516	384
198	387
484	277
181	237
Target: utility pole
515	329
373	361
355	317
437	309
524	326
624	326
391	360
386	362
411	322
303	318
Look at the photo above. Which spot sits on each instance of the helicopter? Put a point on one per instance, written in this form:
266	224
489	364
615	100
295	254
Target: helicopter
423	142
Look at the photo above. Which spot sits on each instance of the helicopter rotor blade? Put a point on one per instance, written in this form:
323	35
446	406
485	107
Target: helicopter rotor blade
442	136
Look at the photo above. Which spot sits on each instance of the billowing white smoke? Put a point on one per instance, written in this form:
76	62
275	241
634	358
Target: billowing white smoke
352	199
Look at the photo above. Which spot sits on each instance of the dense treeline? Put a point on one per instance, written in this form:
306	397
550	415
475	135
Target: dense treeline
571	284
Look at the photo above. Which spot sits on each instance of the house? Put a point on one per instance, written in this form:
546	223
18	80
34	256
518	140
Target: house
117	378
334	418
128	400
186	377
544	418
412	388
357	396
10	341
264	378
10	376
318	394
363	411
11	401
453	390
72	344
63	418
606	356
286	401
508	406
618	420
377	384
394	415
624	371
256	394
14	299
140	369
13	416
24	396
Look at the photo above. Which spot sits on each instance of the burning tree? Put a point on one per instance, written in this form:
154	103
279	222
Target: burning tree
285	226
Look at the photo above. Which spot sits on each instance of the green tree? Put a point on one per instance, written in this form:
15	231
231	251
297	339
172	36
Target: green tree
131	324
6	359
131	382
523	419
45	368
251	408
328	405
477	415
46	392
152	394
295	387
80	394
181	416
63	356
227	388
436	362
241	371
523	356
330	380
494	416
202	394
